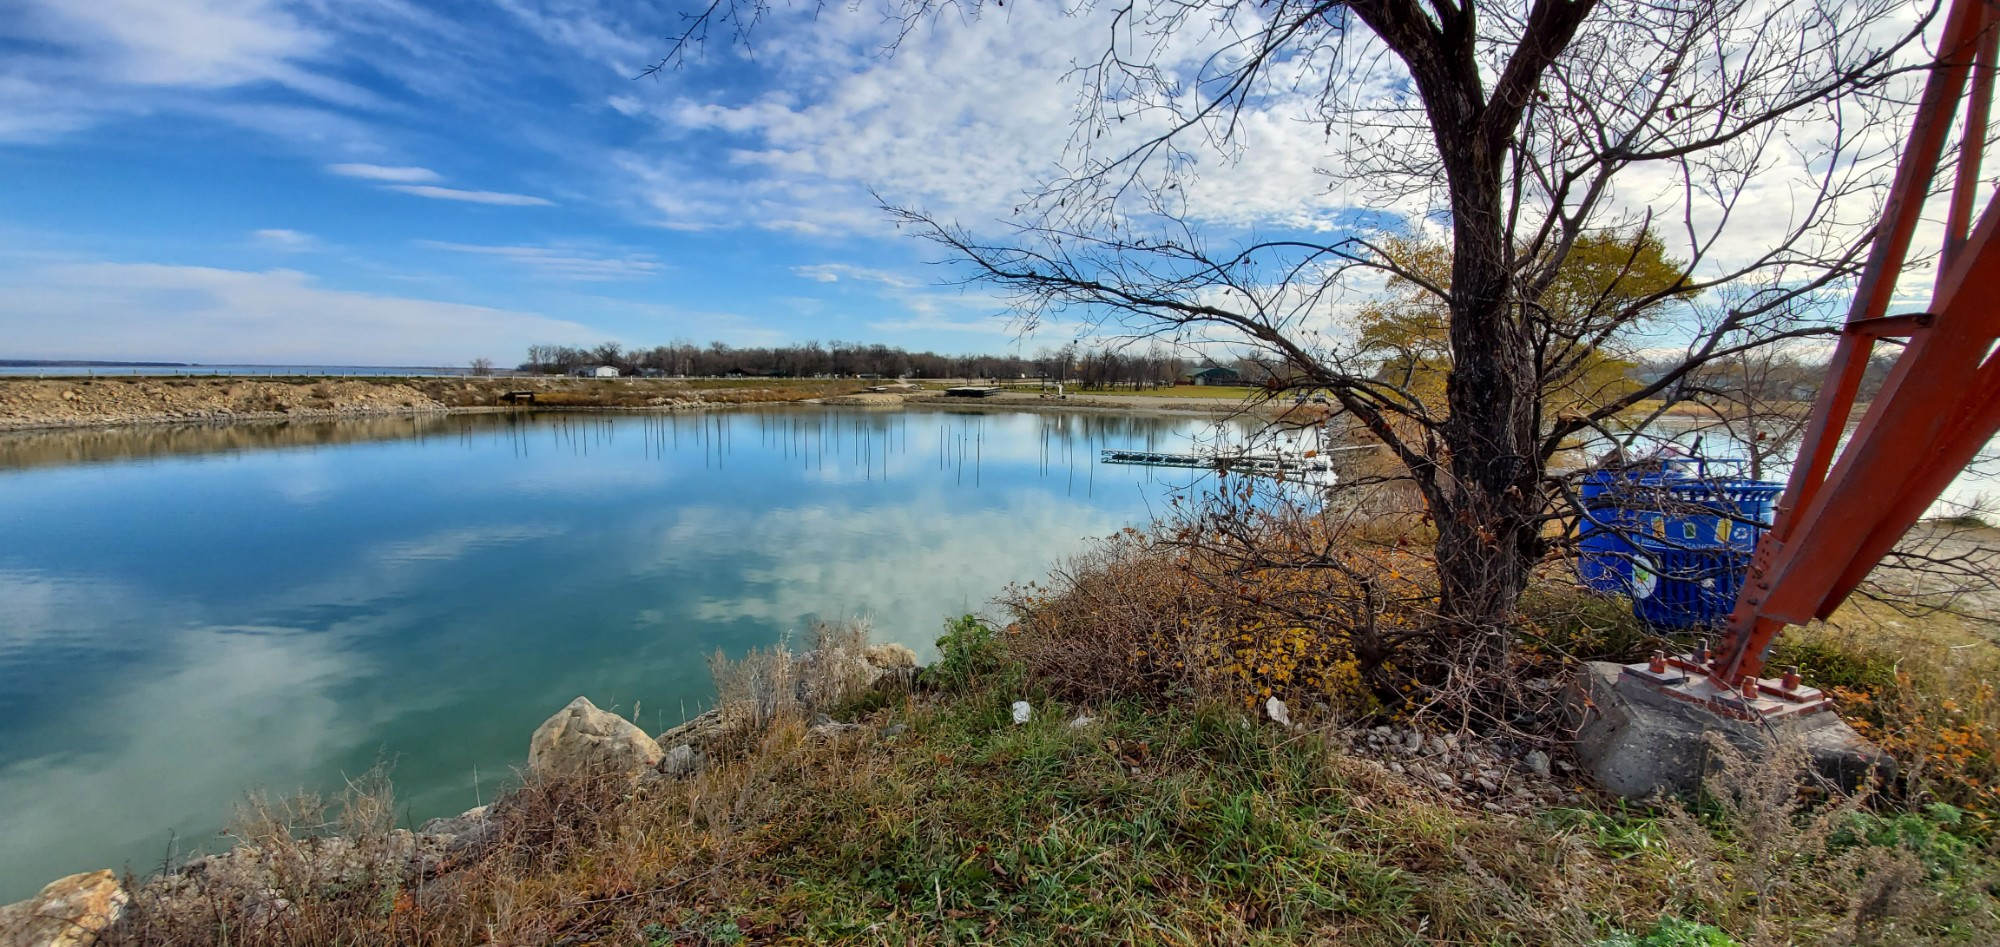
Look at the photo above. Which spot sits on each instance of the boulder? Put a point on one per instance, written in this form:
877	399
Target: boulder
581	740
891	656
707	728
680	761
69	912
467	821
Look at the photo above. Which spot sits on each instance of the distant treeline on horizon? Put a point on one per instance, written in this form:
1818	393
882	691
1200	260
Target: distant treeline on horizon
1099	366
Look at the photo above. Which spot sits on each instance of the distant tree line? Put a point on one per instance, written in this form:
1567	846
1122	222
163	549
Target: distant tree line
1103	367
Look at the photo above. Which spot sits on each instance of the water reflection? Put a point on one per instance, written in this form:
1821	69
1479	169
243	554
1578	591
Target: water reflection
187	612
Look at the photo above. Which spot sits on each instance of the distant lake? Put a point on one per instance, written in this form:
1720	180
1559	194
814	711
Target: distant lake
190	612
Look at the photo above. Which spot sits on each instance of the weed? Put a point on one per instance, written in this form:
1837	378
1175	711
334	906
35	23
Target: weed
1675	932
968	650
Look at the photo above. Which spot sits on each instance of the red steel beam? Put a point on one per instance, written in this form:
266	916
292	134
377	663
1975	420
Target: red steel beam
1941	402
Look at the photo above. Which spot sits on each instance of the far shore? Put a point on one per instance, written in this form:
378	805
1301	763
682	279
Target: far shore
73	402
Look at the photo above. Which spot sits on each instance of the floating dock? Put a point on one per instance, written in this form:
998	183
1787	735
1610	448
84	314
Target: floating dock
1243	463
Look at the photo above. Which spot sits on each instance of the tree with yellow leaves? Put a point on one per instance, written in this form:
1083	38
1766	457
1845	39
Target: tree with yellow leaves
1584	311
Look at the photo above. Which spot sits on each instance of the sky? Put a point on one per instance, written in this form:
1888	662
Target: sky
425	182
419	182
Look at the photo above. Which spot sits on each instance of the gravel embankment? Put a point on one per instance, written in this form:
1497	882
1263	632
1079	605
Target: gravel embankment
85	402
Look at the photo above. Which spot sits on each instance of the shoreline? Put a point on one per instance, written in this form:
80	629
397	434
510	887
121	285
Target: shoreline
55	404
44	405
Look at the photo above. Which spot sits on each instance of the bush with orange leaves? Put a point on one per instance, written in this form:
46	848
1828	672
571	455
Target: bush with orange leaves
1924	691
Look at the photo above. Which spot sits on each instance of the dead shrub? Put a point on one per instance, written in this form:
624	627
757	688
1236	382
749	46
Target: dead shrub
305	869
1922	690
1113	621
773	684
1242	607
546	823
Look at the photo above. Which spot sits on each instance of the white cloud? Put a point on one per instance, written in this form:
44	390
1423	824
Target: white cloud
191	313
966	119
72	65
278	238
834	272
585	31
377	172
563	262
204	43
472	197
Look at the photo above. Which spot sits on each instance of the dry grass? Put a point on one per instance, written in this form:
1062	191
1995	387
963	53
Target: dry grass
1171	817
1236	608
1923	689
776	683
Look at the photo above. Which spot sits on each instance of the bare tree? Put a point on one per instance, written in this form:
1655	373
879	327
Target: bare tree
1518	131
483	366
1754	404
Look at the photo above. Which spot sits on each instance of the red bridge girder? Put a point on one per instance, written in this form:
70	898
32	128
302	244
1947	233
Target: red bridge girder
1847	506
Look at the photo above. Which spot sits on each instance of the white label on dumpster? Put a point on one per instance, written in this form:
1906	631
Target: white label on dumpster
1644	579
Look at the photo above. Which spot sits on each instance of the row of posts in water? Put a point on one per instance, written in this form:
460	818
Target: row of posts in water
863	444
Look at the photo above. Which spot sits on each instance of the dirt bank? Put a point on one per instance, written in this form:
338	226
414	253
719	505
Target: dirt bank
85	402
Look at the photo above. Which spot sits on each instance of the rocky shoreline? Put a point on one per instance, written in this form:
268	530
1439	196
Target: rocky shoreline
30	404
578	744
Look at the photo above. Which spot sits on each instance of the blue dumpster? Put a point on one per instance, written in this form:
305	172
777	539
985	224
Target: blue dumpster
1674	537
1674	586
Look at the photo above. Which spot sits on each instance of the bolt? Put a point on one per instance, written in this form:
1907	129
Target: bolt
1750	686
1658	664
1791	679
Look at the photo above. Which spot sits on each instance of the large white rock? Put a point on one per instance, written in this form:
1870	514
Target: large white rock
581	740
70	912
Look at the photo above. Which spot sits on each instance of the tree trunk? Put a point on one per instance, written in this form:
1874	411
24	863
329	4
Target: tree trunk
1487	524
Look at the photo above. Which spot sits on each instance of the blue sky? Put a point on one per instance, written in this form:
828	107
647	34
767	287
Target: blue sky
394	182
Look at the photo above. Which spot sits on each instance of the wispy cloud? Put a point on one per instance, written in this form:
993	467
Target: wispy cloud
563	262
278	238
835	272
206	43
472	197
379	172
209	314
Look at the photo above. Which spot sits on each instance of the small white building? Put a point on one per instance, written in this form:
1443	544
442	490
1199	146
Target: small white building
598	371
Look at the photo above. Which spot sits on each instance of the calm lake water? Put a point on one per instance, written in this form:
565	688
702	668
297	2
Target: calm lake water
187	613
